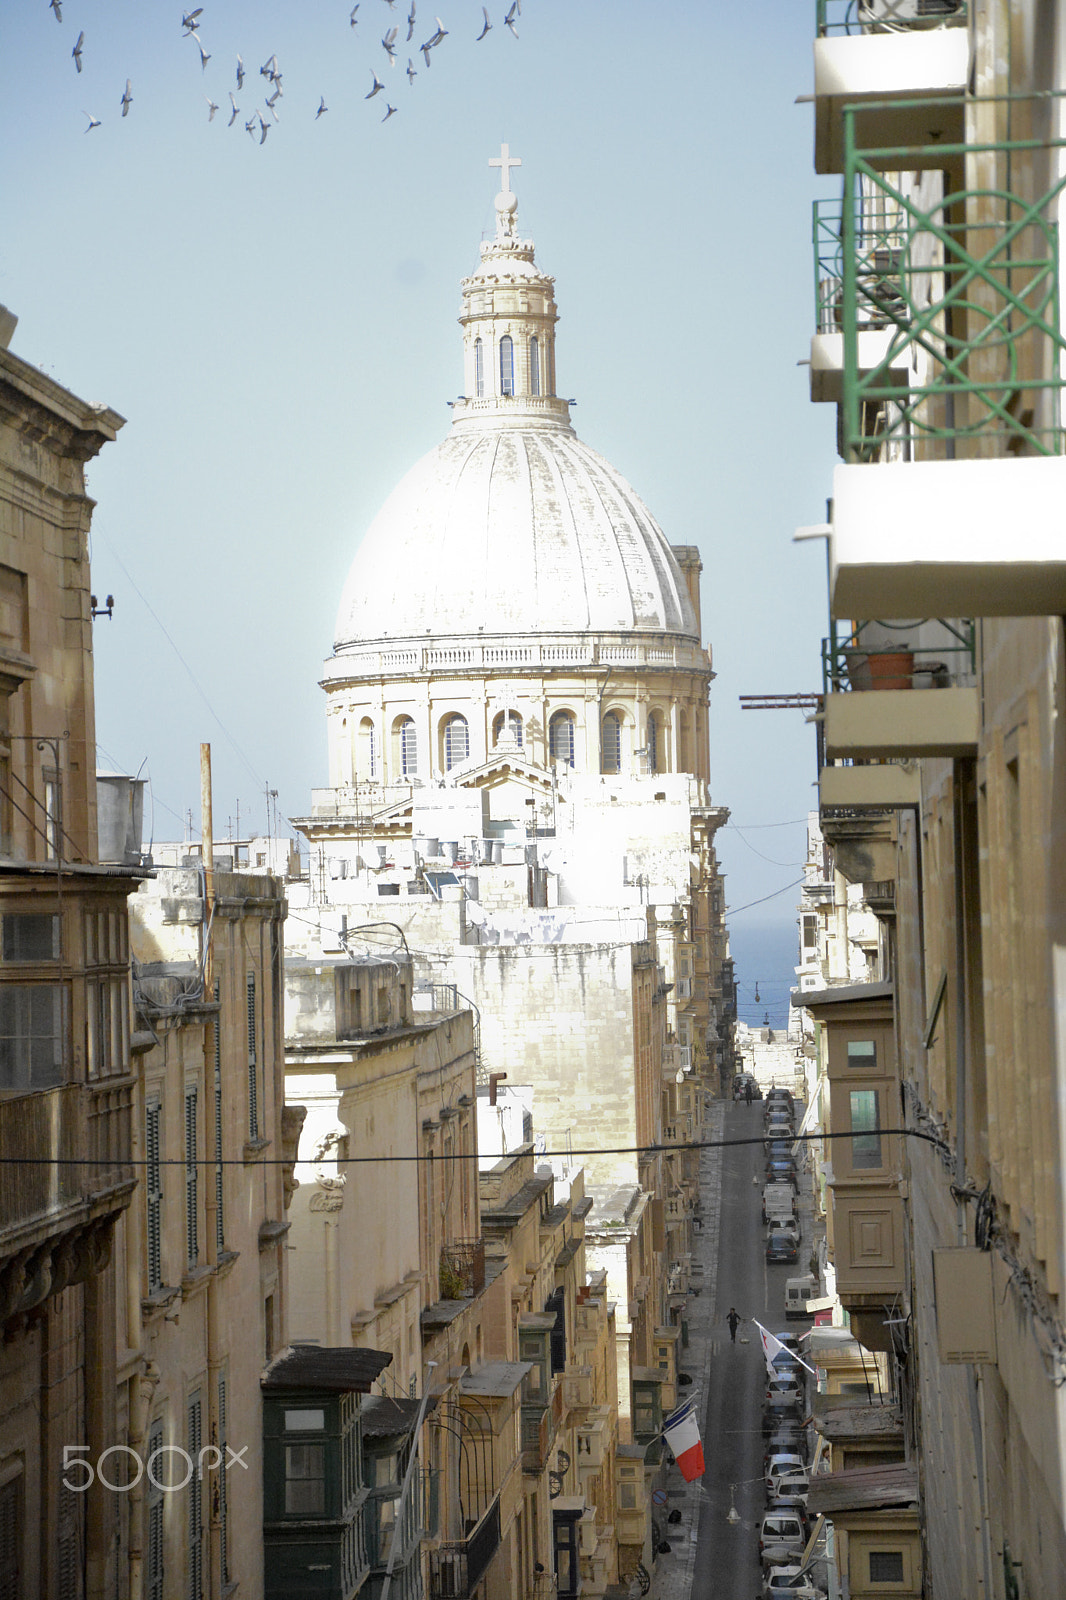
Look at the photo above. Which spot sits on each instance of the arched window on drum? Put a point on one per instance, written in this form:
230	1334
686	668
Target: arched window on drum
611	743
407	747
653	742
561	737
479	369
506	365
534	365
368	750
456	741
507	729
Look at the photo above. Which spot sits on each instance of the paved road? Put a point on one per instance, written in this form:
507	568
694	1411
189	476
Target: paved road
727	1558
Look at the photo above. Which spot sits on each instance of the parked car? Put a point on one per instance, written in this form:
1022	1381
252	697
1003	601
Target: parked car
790	1582
783	1461
780	1097
782	1172
784	1383
789	1225
782	1537
781	1412
778	1200
779	1150
788	1488
788	1437
782	1248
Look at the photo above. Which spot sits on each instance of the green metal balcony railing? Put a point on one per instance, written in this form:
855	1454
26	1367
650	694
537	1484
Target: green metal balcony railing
886	16
966	283
893	655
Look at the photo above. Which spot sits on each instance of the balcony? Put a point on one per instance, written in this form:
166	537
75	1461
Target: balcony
462	1269
56	1211
455	1570
877	348
894	61
897	690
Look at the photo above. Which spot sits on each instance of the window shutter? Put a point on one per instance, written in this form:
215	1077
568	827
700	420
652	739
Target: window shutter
220	1193
154	1574
253	1081
195	1565
192	1232
154	1197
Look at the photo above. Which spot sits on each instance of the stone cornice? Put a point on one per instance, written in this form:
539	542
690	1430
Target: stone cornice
45	413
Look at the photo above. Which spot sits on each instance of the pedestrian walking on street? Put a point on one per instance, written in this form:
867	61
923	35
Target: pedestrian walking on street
734	1321
747	1092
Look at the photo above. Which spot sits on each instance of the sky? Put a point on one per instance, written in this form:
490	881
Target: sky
277	323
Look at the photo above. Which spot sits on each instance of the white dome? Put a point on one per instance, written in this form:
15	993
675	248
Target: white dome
516	530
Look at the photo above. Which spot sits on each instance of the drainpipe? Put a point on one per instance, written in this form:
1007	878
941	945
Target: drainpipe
142	1391
216	1576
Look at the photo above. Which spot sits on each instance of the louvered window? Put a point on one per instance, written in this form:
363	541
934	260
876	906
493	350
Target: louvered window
253	1077
611	743
10	1540
195	1566
534	366
154	1195
192	1230
561	735
479	368
223	1501
153	1577
70	1537
653	742
220	1188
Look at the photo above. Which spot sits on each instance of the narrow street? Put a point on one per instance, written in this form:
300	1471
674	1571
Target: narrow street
727	1557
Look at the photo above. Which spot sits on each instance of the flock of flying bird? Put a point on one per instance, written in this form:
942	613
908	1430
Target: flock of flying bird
270	70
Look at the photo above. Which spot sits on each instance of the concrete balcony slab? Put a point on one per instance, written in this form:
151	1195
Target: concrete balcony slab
878	723
949	539
885	786
883	67
827	362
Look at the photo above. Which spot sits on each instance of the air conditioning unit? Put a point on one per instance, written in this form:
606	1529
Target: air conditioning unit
907	13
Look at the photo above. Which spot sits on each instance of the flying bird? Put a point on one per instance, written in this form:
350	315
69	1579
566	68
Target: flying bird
264	129
388	44
204	57
76	53
211	108
240	73
273	99
322	106
509	18
426	48
268	69
411	72
353	19
411	22
441	33
391	112
94	122
188	20
487	23
127	100
377	86
57	8
235	112
249	126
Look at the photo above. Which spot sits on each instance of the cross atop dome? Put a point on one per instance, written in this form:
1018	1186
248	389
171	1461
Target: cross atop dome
506	201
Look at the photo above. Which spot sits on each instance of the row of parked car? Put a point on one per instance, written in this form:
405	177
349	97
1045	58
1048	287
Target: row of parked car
784	1529
782	1179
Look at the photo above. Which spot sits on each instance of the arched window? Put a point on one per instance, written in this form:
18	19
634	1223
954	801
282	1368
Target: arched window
507	725
368	749
611	743
506	365
684	740
408	747
534	365
479	369
561	737
456	742
652	742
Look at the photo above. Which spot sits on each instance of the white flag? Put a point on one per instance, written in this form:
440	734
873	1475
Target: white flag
772	1346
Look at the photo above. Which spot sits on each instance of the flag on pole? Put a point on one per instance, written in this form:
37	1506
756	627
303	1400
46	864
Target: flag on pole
682	1433
772	1347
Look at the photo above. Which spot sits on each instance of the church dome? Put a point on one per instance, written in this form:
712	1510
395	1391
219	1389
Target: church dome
512	527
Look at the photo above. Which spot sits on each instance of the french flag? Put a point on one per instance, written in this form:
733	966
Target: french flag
682	1433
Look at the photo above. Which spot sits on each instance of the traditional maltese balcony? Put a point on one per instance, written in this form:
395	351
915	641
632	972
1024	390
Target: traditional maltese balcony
895	61
898	690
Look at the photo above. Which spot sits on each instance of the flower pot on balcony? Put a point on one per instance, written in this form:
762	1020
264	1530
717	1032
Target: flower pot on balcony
891	669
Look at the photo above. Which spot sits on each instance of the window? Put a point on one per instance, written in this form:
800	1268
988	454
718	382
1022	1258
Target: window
305	1480
154	1574
886	1566
534	366
862	1053
154	1193
479	369
53	813
456	742
192	1230
30	936
368	749
561	737
506	365
408	748
611	743
220	1187
810	941
31	1036
865	1127
11	1538
253	1082
652	742
194	1571
223	1500
507	725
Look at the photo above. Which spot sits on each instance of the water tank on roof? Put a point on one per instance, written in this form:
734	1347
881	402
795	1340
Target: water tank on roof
119	818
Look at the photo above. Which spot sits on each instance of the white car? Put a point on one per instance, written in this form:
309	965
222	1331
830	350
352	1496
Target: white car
790	1582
